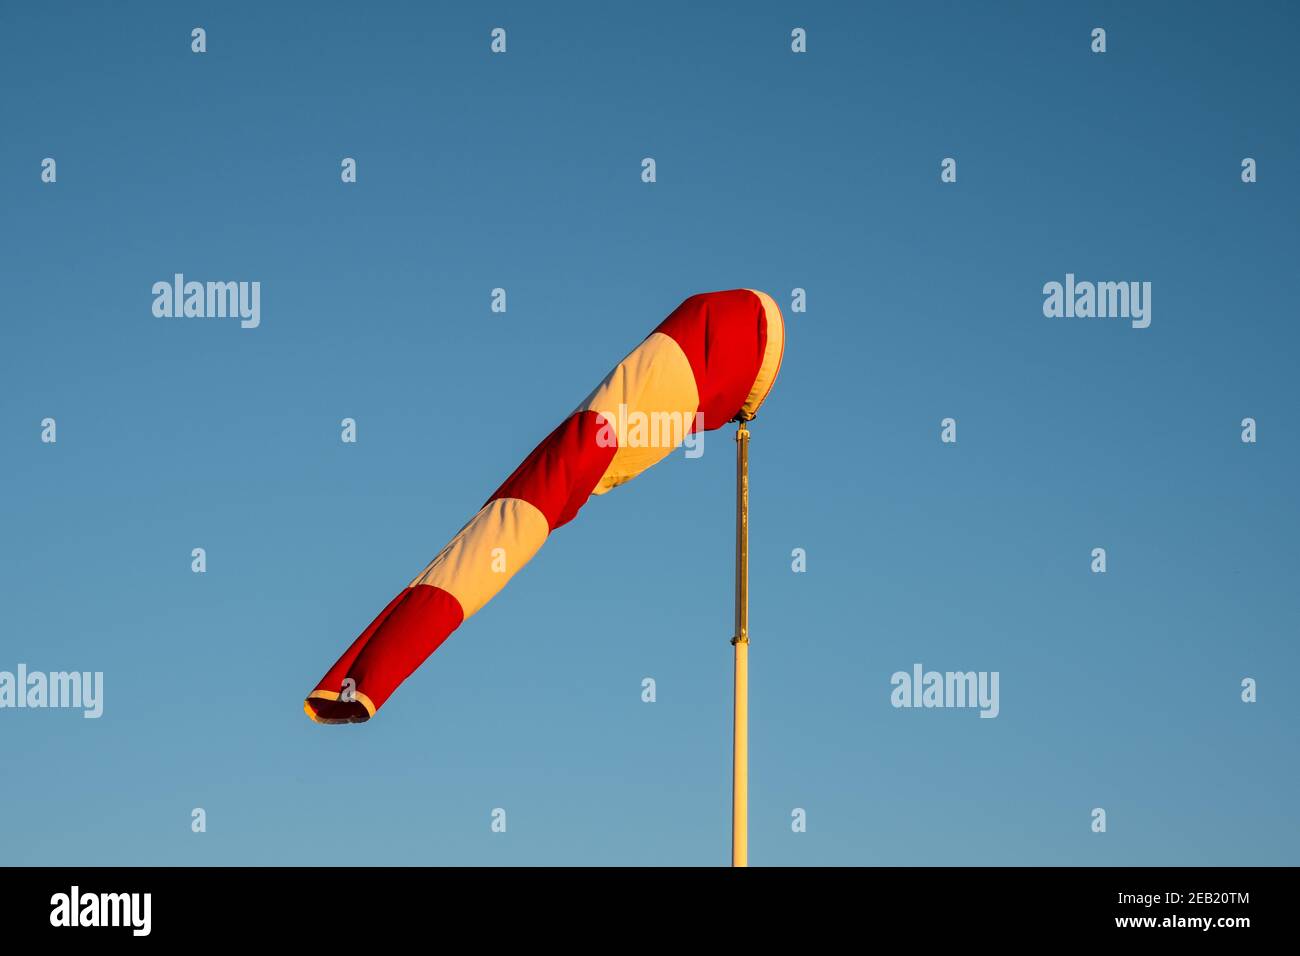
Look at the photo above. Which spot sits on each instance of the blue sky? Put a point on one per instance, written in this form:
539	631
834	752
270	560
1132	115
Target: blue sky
775	171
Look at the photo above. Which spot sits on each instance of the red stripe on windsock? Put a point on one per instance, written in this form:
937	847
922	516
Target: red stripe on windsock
559	474
406	632
724	335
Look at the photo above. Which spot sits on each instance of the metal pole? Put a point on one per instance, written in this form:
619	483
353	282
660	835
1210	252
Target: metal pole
740	724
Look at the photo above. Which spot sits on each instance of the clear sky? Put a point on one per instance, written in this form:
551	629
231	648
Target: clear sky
775	170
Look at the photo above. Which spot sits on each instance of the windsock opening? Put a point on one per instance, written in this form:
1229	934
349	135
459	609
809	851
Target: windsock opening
325	707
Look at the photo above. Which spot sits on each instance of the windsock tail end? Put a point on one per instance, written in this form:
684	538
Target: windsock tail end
325	707
387	652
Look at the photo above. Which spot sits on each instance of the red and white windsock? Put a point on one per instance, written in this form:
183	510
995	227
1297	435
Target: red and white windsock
713	360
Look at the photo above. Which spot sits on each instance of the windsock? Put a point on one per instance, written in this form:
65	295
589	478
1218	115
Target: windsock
712	361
